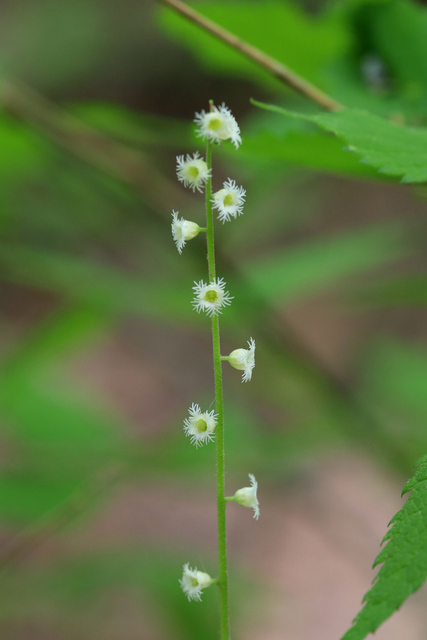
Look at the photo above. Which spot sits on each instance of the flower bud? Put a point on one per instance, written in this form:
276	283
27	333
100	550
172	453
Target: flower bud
244	360
247	496
183	230
193	582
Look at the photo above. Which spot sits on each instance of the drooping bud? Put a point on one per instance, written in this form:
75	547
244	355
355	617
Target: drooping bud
183	230
193	582
247	496
244	360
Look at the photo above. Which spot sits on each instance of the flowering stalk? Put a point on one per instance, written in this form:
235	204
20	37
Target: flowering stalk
219	431
211	298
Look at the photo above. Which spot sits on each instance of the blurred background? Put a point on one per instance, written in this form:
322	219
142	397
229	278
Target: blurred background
102	499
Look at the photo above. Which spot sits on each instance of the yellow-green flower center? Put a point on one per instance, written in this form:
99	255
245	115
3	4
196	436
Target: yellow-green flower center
194	582
215	124
228	200
211	295
193	171
201	425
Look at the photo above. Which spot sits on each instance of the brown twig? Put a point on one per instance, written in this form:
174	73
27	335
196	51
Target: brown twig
276	68
28	540
117	160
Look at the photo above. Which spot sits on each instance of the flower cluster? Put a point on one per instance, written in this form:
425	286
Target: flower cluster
195	173
216	125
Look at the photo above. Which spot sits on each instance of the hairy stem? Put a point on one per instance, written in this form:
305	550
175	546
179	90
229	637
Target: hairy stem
209	216
219	430
276	68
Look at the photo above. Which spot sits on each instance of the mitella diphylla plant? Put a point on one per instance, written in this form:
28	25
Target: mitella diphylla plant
211	297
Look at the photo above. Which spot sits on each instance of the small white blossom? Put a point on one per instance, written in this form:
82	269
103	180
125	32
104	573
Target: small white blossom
229	201
183	230
247	496
192	171
217	125
193	582
200	426
211	297
244	360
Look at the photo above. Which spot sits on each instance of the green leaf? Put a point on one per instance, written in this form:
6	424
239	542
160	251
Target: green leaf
292	274
25	495
35	394
393	383
404	559
56	417
403	291
98	286
55	337
393	149
136	129
307	148
23	152
60	434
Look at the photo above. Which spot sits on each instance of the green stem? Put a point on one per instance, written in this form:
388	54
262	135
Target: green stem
209	216
219	430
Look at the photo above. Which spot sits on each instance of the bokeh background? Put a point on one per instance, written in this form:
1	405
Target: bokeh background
102	499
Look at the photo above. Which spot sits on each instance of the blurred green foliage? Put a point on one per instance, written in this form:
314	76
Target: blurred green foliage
93	246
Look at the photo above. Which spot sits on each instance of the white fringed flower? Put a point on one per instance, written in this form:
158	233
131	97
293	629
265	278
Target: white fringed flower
211	297
192	171
247	496
183	230
229	201
244	360
217	125
200	426
193	582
